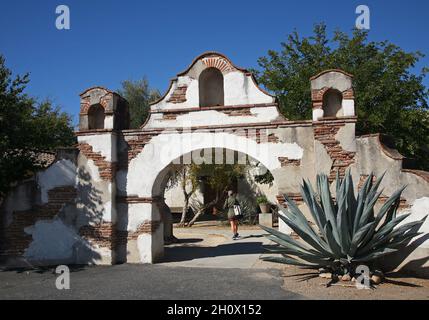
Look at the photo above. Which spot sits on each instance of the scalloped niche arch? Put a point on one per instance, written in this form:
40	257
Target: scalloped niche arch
211	88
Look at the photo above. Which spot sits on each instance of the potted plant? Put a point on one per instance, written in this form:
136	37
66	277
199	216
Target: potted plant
263	203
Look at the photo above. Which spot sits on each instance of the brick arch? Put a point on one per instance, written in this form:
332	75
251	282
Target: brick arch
317	95
86	103
218	62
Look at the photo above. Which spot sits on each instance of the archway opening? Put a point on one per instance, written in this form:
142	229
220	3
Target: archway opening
199	193
332	103
96	117
211	91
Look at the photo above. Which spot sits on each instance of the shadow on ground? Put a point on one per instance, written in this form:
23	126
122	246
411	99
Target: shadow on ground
186	253
42	270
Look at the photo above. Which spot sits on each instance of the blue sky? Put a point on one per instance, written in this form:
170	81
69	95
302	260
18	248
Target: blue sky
111	41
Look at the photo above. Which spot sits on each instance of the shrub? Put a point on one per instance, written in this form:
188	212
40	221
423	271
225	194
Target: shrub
262	199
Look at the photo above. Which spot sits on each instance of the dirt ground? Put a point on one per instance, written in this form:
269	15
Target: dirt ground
307	283
396	287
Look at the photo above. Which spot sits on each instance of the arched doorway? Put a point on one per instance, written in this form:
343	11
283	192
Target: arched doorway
206	230
144	195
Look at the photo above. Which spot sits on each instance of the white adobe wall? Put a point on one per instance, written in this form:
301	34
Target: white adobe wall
61	173
165	148
239	89
213	118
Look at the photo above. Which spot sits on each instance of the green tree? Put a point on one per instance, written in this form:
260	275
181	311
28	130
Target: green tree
220	177
390	97
139	95
187	177
27	127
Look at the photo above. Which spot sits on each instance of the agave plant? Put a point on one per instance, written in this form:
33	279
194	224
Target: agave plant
348	232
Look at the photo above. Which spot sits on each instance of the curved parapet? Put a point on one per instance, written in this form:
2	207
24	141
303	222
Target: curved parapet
376	154
210	91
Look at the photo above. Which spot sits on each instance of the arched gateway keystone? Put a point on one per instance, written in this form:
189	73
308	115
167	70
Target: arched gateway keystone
103	202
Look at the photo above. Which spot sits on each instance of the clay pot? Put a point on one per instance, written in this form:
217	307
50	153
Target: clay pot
265	207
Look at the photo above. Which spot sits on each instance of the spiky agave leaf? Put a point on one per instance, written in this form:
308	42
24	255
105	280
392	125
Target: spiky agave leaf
349	231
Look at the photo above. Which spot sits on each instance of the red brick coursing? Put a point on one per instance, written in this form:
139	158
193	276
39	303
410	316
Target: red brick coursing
135	145
179	94
172	115
219	63
107	236
383	198
259	135
285	161
317	96
325	133
13	240
237	112
296	197
107	169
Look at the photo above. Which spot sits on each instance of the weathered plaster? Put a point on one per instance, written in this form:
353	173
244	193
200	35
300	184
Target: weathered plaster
213	117
346	137
52	240
104	143
61	173
333	79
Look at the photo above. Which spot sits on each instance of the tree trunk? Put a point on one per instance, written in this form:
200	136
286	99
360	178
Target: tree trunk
201	210
184	211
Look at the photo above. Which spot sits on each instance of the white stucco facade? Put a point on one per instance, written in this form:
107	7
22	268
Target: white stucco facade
105	203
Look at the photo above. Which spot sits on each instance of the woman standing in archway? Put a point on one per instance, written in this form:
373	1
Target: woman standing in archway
231	204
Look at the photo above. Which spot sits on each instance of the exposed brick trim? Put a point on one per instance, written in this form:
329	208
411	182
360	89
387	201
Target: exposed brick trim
106	235
317	96
85	104
285	161
172	115
296	197
325	133
273	138
348	94
100	234
383	197
107	169
195	109
255	125
363	178
238	112
211	54
135	145
402	202
260	135
219	63
13	240
122	236
179	94
136	199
